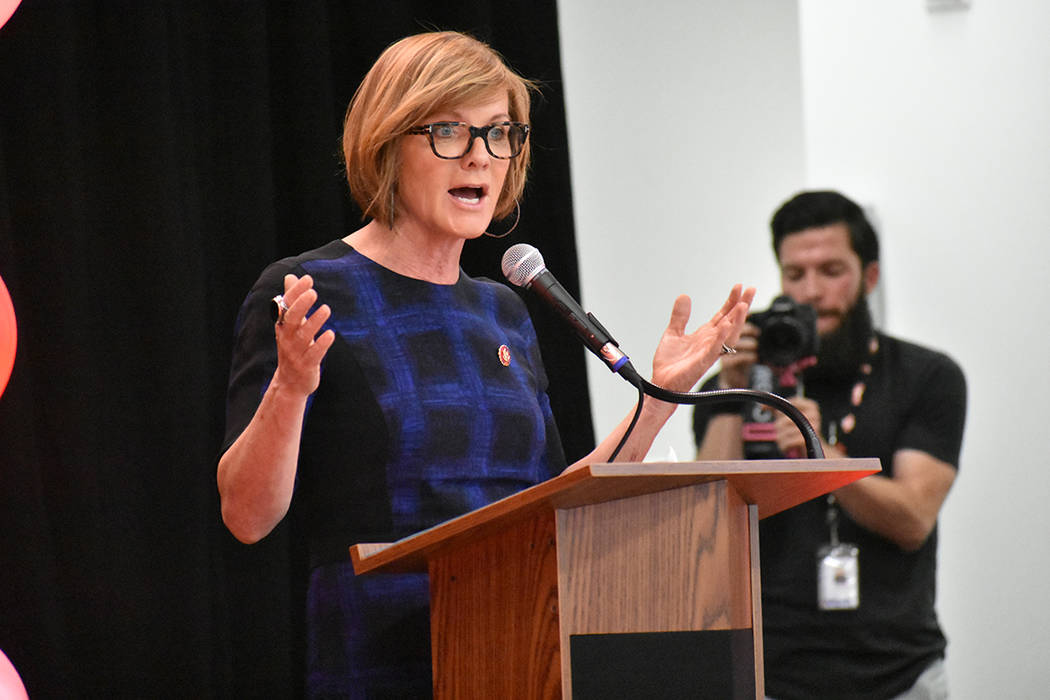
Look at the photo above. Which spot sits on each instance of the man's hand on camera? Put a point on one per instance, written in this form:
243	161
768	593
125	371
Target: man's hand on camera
736	367
791	442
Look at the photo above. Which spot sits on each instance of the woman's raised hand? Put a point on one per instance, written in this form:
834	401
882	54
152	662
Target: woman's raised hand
682	358
299	347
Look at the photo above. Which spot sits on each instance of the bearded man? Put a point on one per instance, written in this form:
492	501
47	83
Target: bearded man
848	580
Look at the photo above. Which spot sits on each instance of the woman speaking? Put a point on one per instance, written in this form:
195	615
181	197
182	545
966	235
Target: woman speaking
394	392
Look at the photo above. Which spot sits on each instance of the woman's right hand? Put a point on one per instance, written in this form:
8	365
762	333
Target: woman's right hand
256	475
299	348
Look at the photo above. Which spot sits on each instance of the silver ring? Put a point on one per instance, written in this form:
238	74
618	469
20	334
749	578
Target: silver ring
279	309
726	350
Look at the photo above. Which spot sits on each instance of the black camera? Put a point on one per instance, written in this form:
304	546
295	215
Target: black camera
788	332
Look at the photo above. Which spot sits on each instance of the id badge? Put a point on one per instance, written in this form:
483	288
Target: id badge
838	577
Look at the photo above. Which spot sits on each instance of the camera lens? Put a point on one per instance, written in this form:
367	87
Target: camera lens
782	342
788	332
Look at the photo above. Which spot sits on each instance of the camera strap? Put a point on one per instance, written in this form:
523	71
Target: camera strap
848	422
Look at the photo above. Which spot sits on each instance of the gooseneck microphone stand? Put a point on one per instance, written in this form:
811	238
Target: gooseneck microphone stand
814	450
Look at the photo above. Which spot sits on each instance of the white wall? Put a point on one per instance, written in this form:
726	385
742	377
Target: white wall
941	122
685	127
690	121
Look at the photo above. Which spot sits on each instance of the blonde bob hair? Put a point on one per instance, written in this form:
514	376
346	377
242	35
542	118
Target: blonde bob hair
411	79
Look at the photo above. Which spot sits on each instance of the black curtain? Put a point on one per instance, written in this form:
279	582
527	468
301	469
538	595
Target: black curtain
154	157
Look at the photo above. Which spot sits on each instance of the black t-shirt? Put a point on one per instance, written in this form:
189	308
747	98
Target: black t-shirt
915	398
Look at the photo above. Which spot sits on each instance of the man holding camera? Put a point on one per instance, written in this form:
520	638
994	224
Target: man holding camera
848	580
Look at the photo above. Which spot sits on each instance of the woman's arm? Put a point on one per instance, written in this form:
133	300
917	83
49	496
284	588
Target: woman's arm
256	475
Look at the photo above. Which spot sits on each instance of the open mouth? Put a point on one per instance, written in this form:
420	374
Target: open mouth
470	195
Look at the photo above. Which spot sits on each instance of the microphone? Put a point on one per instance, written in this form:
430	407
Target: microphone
523	267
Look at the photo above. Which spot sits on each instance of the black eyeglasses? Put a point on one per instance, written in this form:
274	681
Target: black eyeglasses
452	140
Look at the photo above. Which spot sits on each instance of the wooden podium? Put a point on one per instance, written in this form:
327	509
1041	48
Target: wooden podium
612	581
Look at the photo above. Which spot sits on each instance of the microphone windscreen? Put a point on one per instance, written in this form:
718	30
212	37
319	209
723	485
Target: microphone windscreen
521	263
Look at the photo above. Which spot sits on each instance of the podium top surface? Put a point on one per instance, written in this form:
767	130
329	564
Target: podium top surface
772	485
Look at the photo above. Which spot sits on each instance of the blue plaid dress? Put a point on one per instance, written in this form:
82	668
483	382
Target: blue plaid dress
417	420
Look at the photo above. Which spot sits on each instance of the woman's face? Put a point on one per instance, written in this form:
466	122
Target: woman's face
454	198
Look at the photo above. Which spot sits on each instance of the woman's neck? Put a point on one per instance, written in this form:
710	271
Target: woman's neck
417	256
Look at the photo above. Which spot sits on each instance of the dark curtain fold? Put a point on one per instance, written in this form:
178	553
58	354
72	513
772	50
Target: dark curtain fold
154	157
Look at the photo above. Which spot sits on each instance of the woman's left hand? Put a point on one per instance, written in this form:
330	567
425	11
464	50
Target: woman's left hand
680	358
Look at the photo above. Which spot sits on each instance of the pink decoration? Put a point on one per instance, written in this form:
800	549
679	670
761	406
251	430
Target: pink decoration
7	8
11	687
8	336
